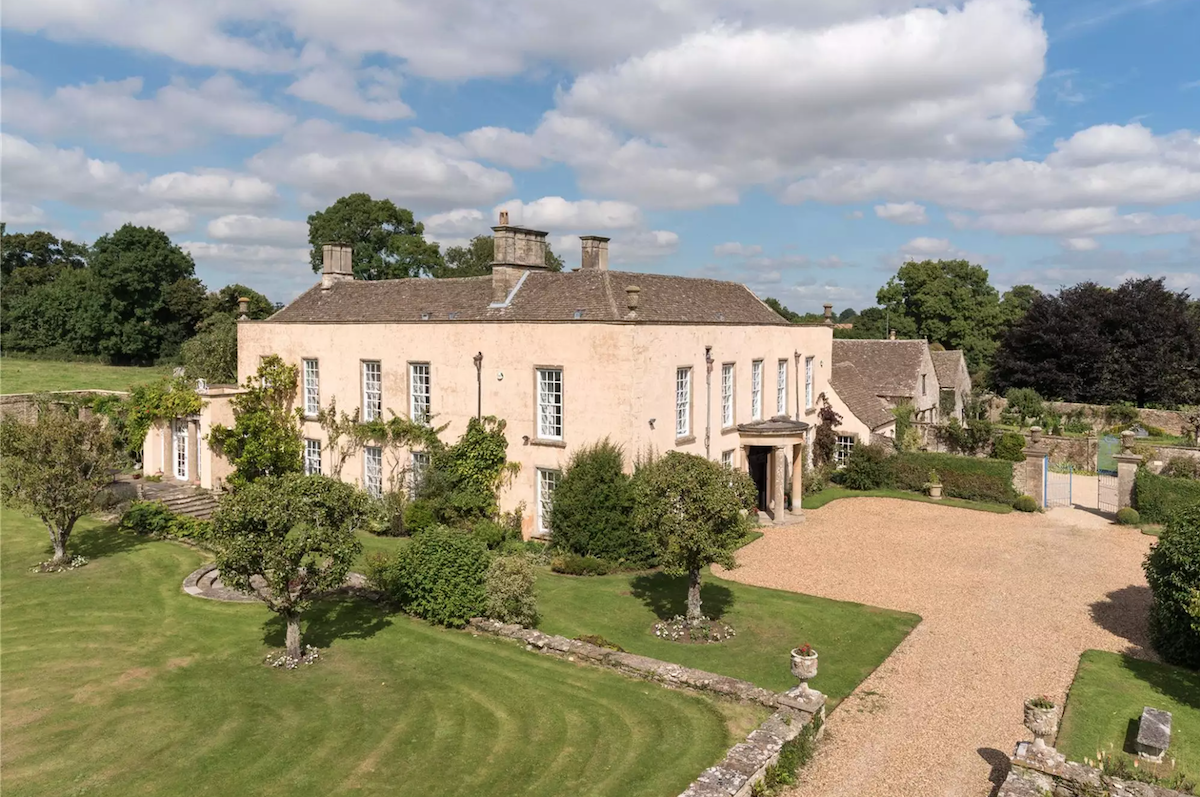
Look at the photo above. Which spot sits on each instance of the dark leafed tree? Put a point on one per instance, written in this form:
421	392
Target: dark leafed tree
876	323
388	242
475	259
41	284
225	301
289	540
949	302
847	316
55	467
782	310
691	509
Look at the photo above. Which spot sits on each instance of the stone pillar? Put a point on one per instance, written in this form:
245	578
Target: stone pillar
193	447
778	501
1035	456
1127	465
797	480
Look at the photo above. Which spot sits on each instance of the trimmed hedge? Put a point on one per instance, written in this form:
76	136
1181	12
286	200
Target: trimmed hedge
969	478
1173	572
1157	498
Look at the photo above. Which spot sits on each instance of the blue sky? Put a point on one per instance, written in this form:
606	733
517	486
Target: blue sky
804	148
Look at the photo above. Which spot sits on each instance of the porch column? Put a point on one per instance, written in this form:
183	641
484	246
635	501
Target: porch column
193	440
168	438
778	501
797	480
746	458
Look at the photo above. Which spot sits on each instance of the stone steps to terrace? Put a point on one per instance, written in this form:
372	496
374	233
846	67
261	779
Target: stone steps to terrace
180	499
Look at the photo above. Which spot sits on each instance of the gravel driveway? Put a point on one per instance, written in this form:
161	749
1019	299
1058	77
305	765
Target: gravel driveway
1008	603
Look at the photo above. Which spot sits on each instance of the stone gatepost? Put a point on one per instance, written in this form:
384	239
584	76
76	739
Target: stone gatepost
1127	465
1035	469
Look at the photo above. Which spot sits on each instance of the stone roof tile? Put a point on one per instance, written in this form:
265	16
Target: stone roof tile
889	367
858	396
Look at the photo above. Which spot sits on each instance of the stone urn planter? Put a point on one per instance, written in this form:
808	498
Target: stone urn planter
1041	720
935	492
804	666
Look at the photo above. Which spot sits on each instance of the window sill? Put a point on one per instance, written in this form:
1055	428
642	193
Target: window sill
810	411
683	441
534	441
729	430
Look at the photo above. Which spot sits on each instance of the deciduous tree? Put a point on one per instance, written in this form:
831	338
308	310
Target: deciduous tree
475	259
55	467
265	437
693	510
388	242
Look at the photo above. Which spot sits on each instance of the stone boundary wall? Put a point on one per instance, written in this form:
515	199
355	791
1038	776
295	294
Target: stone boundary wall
1170	421
24	405
746	762
1032	776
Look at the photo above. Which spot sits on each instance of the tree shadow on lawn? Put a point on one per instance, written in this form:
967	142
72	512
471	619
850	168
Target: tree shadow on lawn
1124	612
341	617
1178	683
97	542
666	596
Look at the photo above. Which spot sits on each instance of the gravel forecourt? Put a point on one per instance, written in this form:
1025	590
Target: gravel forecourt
1008	602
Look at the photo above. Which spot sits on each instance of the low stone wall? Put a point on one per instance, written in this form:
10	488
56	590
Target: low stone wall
1170	421
746	762
24	405
1033	776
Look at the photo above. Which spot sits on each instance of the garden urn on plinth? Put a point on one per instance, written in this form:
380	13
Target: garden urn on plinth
935	492
1041	718
804	666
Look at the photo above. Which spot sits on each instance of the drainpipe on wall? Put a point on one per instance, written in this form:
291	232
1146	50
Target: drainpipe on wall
478	385
708	364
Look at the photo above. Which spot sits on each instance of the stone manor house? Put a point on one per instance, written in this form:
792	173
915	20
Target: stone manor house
655	363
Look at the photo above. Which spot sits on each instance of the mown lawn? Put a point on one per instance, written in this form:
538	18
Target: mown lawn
114	682
820	499
851	638
1107	698
37	376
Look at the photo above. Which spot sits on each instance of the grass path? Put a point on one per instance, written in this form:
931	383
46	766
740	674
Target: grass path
820	499
116	683
36	376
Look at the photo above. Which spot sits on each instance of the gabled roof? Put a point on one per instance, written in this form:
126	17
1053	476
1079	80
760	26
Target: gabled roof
946	365
888	367
542	296
859	398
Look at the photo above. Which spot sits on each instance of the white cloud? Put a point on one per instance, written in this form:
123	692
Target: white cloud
21	213
642	245
902	212
458	222
1081	244
246	229
927	246
1079	222
177	116
326	162
170	220
735	249
854	214
371	93
556	213
213	190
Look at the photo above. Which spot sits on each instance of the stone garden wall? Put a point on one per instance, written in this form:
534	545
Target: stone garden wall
1033	776
24	405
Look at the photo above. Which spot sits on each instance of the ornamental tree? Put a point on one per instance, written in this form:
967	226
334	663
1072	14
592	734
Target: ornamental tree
55	467
288	540
265	438
388	242
694	512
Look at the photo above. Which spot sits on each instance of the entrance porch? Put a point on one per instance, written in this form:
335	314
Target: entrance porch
772	451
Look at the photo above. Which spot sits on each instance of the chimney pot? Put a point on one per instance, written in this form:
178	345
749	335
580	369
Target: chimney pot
828	313
595	253
243	308
503	218
337	264
632	297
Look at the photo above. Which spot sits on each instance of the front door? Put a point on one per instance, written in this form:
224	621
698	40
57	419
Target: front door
757	461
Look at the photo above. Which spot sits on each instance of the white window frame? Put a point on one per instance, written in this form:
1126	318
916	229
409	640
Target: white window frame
756	380
683	402
549	387
373	470
547	481
808	383
417	468
727	458
781	376
312	457
843	447
311	370
727	386
420	389
179	439
372	390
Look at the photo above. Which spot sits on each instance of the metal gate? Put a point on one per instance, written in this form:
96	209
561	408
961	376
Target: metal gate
1106	474
1059	483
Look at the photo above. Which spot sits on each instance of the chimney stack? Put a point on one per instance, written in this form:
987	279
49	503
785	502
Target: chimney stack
595	252
243	309
337	264
828	314
632	298
515	250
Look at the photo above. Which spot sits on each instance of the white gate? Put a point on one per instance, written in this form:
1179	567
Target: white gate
1106	493
1059	484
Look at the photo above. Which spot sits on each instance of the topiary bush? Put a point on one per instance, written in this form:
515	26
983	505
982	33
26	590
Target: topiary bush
1128	516
593	508
419	515
1025	503
867	469
1173	572
1158	497
509	585
438	577
575	565
1010	447
968	478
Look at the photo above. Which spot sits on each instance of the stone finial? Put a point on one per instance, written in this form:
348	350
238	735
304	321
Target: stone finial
632	297
503	218
243	309
1035	434
828	314
892	335
1154	734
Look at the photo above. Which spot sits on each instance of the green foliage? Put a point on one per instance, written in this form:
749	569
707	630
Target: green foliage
1076	422
491	533
1173	572
439	576
225	302
509	586
1023	403
793	756
1121	414
463	479
971	479
572	564
969	439
907	437
419	515
1182	467
1025	503
296	532
1009	447
783	311
866	469
1157	498
947	403
387	514
1128	516
265	437
388	242
825	436
55	468
212	353
153	402
475	259
153	519
593	504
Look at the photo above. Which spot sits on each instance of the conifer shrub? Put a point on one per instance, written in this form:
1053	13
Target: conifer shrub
593	508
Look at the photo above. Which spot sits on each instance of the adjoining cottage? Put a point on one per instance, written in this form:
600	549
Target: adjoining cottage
653	362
